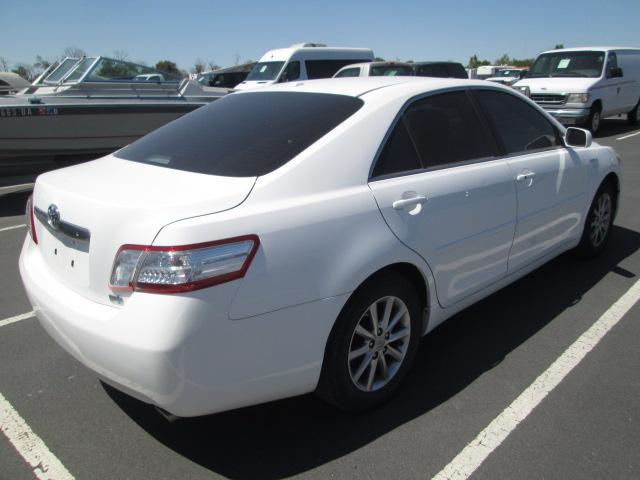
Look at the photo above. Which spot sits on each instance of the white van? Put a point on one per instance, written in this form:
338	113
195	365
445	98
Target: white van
301	62
579	86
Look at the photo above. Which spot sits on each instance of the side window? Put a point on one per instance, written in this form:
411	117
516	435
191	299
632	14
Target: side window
445	129
518	125
326	68
291	72
398	154
349	72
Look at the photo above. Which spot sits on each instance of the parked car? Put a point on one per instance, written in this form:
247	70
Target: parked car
487	71
508	76
304	61
249	255
375	69
580	86
440	69
227	77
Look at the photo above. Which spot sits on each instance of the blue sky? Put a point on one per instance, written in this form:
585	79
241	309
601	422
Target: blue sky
216	31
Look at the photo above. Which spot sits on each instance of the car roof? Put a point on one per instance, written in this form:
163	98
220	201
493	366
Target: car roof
589	49
358	86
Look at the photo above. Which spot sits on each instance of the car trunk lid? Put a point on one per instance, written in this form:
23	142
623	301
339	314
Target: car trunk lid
86	212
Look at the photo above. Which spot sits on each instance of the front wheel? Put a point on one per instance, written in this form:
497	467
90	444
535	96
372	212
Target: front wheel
597	227
372	345
593	122
633	117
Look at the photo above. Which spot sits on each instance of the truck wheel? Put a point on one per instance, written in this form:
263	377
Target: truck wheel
593	122
633	117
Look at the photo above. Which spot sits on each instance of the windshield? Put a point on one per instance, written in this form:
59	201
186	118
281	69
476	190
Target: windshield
109	69
61	70
391	70
568	64
80	70
265	71
509	73
244	134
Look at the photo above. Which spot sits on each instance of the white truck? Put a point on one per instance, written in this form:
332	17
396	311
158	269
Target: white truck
580	86
303	61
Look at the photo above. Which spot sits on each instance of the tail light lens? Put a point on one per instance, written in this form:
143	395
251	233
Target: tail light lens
182	268
29	220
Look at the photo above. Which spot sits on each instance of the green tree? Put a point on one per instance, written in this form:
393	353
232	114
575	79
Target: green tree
475	62
168	66
503	60
558	46
378	59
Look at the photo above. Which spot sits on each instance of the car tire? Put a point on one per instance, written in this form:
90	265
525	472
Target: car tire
633	117
597	226
365	360
593	122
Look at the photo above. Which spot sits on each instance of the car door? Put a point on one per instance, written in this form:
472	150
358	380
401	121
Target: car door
445	195
613	103
550	179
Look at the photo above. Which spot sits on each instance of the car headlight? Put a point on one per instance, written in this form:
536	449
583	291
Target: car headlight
523	90
578	98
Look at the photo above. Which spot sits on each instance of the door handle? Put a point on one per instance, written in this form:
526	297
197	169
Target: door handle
525	176
409	202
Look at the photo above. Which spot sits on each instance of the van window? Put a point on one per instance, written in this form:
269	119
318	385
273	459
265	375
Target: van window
265	71
612	62
291	72
243	134
446	129
519	126
326	68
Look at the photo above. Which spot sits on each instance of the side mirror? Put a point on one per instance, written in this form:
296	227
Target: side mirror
577	137
615	72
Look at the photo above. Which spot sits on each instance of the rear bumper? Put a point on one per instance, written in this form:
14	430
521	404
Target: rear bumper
570	116
182	352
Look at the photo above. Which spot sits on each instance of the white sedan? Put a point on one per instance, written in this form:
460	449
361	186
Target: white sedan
304	237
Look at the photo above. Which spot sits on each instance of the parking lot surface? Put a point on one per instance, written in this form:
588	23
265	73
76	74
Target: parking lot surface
468	371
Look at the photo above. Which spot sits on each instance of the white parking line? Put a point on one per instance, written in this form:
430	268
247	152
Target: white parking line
12	228
629	136
44	464
17	318
476	452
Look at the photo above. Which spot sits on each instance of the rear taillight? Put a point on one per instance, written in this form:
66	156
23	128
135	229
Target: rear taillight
182	268
29	220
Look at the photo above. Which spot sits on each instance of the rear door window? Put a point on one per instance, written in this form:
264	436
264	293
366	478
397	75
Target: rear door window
446	130
243	135
519	126
398	155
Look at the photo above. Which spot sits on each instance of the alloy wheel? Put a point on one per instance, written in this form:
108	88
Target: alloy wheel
601	220
379	343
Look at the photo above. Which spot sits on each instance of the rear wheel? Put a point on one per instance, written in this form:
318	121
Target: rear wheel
597	227
372	345
633	117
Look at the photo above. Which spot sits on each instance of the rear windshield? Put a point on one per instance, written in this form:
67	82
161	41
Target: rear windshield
243	134
391	70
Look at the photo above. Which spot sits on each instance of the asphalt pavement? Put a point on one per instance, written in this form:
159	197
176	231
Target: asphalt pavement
466	373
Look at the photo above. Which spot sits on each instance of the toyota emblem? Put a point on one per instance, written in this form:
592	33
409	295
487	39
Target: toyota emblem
53	216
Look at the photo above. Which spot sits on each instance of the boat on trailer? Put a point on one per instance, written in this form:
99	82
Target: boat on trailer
83	108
